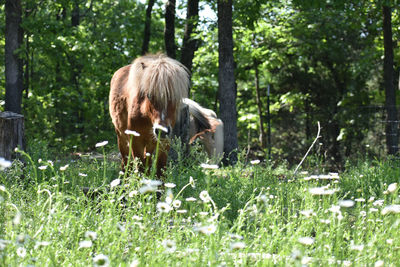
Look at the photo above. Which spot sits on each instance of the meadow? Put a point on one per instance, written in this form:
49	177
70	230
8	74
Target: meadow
251	214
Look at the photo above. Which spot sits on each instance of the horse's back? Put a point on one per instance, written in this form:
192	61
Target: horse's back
118	97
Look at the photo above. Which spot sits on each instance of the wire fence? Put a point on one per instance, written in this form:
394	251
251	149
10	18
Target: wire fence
346	133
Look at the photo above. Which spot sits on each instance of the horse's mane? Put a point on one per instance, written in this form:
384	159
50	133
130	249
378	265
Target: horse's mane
160	78
198	114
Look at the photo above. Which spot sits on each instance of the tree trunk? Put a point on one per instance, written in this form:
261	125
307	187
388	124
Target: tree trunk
11	134
169	33
189	45
226	79
259	105
388	73
13	64
147	28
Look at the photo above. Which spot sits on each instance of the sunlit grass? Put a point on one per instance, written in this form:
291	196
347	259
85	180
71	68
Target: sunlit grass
249	214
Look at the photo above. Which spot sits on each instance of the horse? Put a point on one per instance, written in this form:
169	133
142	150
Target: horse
205	125
145	99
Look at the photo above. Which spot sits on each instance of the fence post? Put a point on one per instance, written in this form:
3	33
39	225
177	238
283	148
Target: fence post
11	134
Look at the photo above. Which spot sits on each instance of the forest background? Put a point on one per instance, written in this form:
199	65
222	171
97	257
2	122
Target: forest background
296	63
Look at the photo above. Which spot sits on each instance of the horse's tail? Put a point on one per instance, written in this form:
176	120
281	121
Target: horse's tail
196	111
161	78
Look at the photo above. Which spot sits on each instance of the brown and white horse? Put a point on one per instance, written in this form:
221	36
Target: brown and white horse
205	125
145	97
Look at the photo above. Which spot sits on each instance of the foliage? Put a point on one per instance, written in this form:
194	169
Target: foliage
242	215
321	59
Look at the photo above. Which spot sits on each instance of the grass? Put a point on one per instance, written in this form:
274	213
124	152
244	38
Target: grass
246	215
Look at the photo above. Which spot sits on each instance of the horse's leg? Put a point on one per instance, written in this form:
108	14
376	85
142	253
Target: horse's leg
123	147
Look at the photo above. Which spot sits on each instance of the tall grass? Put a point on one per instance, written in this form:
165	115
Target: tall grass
255	215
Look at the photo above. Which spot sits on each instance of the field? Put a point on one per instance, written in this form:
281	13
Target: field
251	214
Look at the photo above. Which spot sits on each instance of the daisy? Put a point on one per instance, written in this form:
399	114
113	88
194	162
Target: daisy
115	182
169	245
130	132
391	209
101	144
90	234
63	168
347	203
21	252
204	196
85	244
101	260
237	245
306	240
163	207
208	229
209	166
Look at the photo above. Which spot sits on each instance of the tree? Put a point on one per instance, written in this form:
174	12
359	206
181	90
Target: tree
390	92
169	31
226	78
147	27
13	64
189	45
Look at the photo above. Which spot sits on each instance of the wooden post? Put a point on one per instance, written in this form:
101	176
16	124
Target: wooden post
11	134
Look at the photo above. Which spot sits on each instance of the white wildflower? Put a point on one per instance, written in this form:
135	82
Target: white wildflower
163	207
101	260
306	240
356	247
346	203
17	218
204	196
209	166
85	244
42	168
321	191
130	132
115	182
133	193
208	229
169	185
169	196
176	203
22	239
255	162
238	245
307	213
391	209
392	188
63	168
146	189
191	182
334	209
101	144
134	263
4	164
379	263
90	234
169	245
359	200
21	252
153	183
82	174
181	211
190	199
378	202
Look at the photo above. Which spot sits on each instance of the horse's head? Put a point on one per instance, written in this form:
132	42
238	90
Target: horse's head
163	83
162	117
